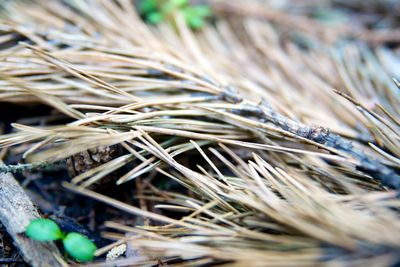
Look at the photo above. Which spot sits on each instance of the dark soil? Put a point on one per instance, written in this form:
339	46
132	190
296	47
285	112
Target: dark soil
9	254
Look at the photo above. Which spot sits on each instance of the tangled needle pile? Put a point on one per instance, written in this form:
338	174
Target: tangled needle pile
275	124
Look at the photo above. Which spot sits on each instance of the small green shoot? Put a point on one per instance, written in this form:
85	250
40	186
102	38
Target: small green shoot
147	6
195	15
78	246
44	230
155	11
154	18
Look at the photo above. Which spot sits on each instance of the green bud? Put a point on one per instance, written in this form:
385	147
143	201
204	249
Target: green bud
179	3
173	5
147	6
154	18
195	22
43	230
201	10
79	247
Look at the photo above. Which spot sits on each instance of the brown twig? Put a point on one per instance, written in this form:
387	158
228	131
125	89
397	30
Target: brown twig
321	135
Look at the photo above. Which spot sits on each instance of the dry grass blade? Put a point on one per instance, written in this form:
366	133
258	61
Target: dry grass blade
277	134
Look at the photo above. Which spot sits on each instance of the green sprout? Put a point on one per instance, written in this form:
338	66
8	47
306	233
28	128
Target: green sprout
78	246
44	230
155	11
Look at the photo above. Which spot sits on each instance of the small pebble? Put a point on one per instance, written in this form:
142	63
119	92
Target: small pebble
116	252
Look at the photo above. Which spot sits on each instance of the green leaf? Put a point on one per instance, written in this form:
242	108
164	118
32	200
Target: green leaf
168	8
79	247
195	15
147	6
173	5
201	10
179	3
195	22
154	18
43	230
